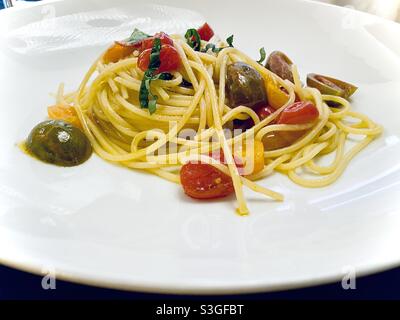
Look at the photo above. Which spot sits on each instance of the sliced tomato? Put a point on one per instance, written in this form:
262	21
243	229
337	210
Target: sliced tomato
245	163
299	113
203	181
205	32
265	111
169	59
281	139
117	52
149	42
219	156
65	113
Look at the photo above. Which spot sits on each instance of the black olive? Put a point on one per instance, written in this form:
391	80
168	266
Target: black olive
244	86
60	143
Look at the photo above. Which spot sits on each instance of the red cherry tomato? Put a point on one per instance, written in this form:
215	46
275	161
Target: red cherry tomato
265	111
169	58
219	156
164	38
299	113
205	32
203	181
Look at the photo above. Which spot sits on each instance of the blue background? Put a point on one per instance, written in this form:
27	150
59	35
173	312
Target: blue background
19	285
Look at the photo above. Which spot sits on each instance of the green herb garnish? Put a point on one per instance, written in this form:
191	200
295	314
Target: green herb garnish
263	55
229	41
193	39
136	37
215	49
146	98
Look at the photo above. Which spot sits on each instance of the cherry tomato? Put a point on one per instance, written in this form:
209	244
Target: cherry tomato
203	181
164	38
265	111
117	52
169	58
277	95
66	113
219	156
299	113
254	161
205	32
246	164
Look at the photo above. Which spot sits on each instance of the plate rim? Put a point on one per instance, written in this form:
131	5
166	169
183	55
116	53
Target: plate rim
193	289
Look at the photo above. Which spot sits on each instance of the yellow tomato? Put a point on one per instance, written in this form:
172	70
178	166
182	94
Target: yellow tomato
253	162
276	97
65	113
117	52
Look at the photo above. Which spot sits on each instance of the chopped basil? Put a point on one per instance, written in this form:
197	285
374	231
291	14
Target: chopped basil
155	62
136	37
213	48
146	98
166	76
193	39
230	41
263	55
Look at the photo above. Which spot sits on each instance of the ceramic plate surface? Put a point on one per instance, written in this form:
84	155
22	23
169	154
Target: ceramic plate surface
105	225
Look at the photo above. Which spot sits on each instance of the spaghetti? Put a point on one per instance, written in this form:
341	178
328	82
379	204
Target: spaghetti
194	99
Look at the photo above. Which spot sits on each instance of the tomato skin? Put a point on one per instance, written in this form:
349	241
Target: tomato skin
117	52
203	181
205	32
220	156
299	113
164	38
169	58
265	111
65	113
245	165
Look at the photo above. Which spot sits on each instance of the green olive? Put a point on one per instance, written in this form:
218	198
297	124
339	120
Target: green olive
58	142
331	86
244	86
280	64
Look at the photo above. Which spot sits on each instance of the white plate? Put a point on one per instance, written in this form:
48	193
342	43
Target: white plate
104	225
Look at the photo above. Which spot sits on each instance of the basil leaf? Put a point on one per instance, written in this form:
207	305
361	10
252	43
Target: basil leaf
153	104
145	90
155	62
193	39
213	48
229	41
263	55
165	76
136	37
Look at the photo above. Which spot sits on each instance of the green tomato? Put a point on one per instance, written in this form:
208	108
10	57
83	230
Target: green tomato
60	143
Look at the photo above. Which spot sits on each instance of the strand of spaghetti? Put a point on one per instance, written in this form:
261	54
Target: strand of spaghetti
368	132
332	129
221	91
250	184
143	152
318	183
311	165
306	157
268	169
118	122
242	207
